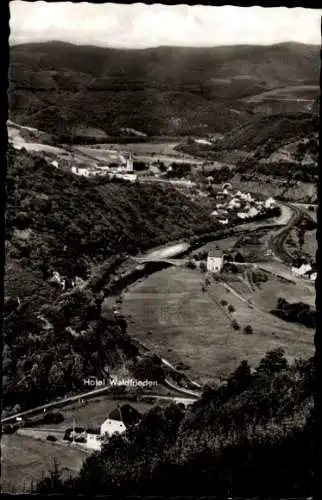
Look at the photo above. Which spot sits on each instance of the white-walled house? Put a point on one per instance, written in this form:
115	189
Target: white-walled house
302	270
80	171
93	442
253	212
234	203
270	202
215	261
110	427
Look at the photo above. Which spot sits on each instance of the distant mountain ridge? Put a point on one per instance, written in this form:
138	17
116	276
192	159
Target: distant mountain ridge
162	90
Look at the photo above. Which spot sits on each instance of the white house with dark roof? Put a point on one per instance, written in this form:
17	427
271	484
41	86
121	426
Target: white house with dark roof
110	427
215	261
119	419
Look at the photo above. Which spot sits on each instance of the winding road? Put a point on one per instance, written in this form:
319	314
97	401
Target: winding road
279	236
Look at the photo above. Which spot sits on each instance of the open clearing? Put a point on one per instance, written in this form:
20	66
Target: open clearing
264	295
310	243
24	459
163	151
171	314
289	92
271	187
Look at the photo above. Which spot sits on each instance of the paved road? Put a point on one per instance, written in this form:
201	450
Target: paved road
279	236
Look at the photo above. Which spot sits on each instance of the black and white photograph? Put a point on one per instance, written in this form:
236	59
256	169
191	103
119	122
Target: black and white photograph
160	250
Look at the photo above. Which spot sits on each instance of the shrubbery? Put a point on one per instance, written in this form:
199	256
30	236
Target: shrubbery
297	312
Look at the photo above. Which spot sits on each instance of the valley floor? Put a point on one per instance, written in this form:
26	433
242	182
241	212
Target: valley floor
171	314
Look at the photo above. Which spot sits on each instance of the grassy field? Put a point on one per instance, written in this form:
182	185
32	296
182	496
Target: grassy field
223	245
24	459
264	295
275	188
171	314
164	148
310	243
291	92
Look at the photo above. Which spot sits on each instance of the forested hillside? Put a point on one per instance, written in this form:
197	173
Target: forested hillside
60	222
58	87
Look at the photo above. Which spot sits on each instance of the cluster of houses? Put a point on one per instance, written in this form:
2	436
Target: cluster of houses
304	269
117	166
63	283
239	205
117	422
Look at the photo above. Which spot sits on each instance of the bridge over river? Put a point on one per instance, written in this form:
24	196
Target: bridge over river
165	254
173	262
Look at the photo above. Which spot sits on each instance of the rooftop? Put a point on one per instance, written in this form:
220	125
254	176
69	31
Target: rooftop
215	253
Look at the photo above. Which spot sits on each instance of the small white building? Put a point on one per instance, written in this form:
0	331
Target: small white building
215	261
80	171
302	270
223	221
313	276
234	203
110	427
127	177
270	202
203	141
253	212
93	442
56	278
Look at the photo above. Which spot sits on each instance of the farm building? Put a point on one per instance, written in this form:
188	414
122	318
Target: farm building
110	427
127	414
215	261
302	270
93	441
119	419
270	202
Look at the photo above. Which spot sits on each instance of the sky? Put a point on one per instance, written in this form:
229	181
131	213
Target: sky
139	25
